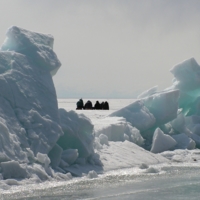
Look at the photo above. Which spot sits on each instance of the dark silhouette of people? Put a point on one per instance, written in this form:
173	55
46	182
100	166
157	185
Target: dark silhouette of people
105	106
88	105
97	105
80	104
102	105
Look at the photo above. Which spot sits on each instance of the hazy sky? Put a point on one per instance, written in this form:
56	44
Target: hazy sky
111	48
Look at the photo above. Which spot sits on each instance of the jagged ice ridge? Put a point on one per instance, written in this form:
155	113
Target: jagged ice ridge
38	141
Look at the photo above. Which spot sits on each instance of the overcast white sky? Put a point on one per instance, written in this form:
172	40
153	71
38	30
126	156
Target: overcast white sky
111	48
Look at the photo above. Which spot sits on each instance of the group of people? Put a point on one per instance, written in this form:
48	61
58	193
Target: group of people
88	105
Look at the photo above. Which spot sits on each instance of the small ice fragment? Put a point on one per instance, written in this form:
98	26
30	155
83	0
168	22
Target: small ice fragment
92	174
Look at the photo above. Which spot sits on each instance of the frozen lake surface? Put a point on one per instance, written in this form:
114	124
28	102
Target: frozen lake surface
180	182
172	181
114	104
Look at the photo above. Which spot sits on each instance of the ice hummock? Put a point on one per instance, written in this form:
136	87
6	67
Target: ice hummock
37	139
175	111
29	118
184	127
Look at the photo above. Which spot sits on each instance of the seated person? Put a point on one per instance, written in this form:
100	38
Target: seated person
102	105
97	105
105	106
79	104
88	105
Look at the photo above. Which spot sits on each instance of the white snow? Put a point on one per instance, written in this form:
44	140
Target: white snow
126	154
43	158
39	142
103	139
118	129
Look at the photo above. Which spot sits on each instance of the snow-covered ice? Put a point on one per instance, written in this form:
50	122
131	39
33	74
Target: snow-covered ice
39	140
45	139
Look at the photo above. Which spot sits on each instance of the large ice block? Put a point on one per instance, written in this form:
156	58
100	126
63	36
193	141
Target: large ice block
37	46
187	75
30	93
137	114
163	106
29	118
187	80
162	142
78	131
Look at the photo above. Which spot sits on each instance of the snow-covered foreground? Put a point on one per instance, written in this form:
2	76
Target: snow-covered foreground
128	171
117	154
44	148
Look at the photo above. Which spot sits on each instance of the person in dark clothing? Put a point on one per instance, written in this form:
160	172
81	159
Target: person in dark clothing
88	105
105	106
79	104
102	105
97	105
